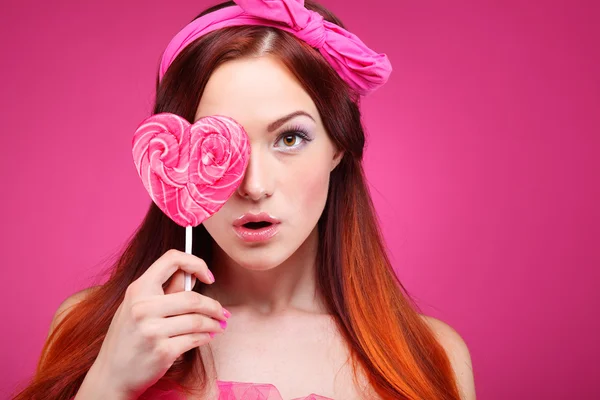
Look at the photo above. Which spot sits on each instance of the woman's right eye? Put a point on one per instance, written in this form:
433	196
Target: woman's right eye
286	139
292	140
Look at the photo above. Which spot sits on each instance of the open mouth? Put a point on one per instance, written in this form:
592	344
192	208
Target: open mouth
257	231
257	225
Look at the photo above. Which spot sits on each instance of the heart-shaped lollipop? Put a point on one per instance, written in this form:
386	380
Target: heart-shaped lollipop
190	170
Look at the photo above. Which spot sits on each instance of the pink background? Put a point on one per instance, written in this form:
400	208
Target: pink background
482	157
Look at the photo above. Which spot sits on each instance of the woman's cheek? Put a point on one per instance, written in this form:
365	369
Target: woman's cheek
217	225
314	194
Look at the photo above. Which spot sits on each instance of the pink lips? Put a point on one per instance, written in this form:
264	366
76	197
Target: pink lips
256	227
249	217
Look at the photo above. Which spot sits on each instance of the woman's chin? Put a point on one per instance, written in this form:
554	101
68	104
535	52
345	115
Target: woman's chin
262	257
259	262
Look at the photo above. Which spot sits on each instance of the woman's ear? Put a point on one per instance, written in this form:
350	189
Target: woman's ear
339	154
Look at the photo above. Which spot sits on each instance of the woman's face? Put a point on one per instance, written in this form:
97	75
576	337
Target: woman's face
287	175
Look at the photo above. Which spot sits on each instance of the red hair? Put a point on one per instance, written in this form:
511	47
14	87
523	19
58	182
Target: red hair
389	341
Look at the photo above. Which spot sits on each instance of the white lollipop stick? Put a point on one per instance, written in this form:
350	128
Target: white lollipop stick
187	284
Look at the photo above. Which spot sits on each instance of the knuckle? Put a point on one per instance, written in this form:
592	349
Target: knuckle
192	297
217	307
201	304
207	304
196	300
148	333
164	353
199	340
138	312
171	253
131	290
200	261
199	324
214	306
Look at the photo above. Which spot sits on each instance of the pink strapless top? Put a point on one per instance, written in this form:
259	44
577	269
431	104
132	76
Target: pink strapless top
229	390
256	391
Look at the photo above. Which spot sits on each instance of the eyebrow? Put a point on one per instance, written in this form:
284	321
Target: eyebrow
274	125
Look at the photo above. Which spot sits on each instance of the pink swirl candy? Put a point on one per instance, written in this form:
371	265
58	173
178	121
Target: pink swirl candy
190	170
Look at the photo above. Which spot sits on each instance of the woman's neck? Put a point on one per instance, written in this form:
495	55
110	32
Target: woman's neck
289	286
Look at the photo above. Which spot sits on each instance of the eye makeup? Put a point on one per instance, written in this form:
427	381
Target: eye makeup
297	131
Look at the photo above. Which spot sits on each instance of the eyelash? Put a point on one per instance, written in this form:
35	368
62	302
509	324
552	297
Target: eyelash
294	131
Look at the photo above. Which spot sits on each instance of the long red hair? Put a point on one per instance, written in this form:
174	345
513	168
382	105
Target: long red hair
388	340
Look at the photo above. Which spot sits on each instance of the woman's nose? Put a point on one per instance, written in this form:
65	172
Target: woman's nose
257	181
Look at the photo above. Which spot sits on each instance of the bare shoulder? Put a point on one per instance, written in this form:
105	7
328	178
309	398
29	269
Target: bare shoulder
458	354
67	304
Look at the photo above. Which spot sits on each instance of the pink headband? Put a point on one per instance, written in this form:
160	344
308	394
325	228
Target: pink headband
362	68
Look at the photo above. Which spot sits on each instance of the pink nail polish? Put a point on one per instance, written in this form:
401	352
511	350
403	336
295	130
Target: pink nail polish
226	313
211	276
223	324
212	334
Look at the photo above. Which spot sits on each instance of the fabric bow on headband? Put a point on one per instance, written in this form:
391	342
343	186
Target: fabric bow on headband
363	69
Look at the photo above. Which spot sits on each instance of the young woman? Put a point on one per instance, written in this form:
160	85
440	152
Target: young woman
294	294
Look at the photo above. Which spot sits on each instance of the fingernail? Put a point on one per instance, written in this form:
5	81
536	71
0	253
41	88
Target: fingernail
211	276
212	334
226	313
223	324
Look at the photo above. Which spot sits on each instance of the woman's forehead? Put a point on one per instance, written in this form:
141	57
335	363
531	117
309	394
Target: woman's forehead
254	89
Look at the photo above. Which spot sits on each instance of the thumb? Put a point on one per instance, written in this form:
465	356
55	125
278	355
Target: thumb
176	282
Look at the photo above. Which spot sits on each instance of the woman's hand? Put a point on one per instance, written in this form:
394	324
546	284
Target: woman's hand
154	326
